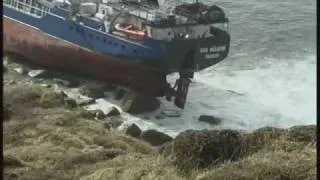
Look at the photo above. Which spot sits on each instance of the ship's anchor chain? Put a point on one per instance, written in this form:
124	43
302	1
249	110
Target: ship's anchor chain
180	89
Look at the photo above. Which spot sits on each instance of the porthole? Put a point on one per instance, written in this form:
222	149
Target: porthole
135	51
91	35
104	40
122	47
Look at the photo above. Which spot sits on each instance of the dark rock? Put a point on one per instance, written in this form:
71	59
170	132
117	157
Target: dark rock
63	94
99	114
200	149
155	137
20	70
133	130
113	122
119	93
67	83
113	112
210	119
39	73
91	91
69	102
136	103
159	117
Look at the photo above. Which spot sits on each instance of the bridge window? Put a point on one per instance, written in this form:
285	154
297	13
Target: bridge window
135	51
104	40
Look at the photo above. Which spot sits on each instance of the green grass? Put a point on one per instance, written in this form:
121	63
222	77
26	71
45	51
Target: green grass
45	140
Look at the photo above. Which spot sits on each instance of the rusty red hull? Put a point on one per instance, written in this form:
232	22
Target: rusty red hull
48	51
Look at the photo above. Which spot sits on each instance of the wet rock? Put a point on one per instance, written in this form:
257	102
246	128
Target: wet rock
46	85
39	73
200	149
69	102
99	114
20	70
159	117
71	83
154	137
113	122
136	103
119	93
84	102
93	114
113	112
171	113
92	91
133	130
210	119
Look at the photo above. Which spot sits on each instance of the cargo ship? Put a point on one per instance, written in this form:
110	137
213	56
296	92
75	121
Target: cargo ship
134	43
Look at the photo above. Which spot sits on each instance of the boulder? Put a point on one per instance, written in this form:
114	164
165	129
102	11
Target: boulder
20	70
113	112
71	83
39	73
99	114
69	102
154	137
113	122
133	130
92	114
119	93
159	117
136	103
200	149
210	119
92	91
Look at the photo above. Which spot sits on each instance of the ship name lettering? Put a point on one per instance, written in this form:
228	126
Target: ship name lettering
210	56
212	49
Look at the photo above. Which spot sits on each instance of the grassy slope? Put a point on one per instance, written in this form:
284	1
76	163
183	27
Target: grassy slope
45	140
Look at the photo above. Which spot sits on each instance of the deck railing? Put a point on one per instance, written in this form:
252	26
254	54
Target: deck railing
33	9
